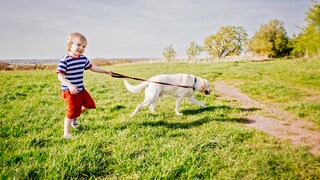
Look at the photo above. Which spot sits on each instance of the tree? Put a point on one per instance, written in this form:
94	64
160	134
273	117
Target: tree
193	50
169	53
270	40
227	41
307	42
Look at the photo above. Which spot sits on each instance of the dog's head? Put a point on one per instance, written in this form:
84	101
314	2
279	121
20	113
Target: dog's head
203	86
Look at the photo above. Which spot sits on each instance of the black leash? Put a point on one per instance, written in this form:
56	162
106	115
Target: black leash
117	75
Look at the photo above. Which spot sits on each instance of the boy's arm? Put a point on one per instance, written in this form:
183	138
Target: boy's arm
72	88
100	70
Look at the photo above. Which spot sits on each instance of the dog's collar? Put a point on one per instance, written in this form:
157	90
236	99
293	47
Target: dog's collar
194	86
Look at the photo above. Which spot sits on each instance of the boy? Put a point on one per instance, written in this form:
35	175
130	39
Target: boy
70	72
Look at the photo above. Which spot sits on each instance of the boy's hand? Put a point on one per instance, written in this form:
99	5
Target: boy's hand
73	89
109	72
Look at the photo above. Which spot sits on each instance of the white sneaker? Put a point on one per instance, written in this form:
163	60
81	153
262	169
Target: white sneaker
74	123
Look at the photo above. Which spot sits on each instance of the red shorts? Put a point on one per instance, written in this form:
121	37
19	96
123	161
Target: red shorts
75	102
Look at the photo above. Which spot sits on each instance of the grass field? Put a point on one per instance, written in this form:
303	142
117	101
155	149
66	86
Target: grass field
207	143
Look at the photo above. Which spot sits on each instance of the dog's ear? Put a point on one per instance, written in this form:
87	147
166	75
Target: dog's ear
202	84
206	83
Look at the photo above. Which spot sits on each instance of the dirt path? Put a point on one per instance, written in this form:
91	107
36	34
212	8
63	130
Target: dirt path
276	122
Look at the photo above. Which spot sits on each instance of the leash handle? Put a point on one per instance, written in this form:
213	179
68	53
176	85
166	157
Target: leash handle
116	75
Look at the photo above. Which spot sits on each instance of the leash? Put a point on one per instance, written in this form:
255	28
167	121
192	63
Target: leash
117	75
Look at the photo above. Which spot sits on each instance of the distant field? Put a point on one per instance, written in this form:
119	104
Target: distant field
55	61
207	143
30	61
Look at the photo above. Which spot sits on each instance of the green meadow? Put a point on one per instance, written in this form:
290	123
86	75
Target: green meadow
210	143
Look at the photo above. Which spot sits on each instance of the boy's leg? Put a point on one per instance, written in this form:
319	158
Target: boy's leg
67	124
88	102
83	109
74	104
74	123
75	109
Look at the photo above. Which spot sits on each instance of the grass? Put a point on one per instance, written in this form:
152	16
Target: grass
207	143
287	84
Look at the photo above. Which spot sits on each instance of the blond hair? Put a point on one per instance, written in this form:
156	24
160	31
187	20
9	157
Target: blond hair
75	38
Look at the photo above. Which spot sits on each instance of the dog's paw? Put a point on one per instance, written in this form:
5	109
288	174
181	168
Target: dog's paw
179	113
154	112
203	107
132	114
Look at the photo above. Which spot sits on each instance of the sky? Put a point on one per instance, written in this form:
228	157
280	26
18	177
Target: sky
38	29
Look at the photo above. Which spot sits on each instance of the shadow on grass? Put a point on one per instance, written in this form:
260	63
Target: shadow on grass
188	125
215	108
222	117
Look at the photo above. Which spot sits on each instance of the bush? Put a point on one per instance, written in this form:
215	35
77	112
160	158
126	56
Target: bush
5	66
169	53
101	62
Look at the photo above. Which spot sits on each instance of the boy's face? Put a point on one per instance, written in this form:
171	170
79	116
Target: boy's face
77	48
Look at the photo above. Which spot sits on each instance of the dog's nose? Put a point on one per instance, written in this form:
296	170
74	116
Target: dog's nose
207	92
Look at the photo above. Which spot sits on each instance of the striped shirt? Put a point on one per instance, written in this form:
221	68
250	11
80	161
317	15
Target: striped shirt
73	69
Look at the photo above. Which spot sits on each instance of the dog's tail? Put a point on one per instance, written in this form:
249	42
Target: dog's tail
135	89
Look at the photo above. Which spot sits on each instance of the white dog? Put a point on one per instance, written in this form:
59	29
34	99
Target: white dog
155	90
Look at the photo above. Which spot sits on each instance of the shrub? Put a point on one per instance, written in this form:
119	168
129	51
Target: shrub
101	62
169	53
5	66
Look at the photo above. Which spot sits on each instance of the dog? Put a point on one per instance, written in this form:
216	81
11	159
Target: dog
154	89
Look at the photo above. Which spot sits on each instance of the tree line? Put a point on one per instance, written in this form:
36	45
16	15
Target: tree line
271	40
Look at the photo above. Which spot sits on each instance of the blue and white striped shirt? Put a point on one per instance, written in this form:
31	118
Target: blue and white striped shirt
73	69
